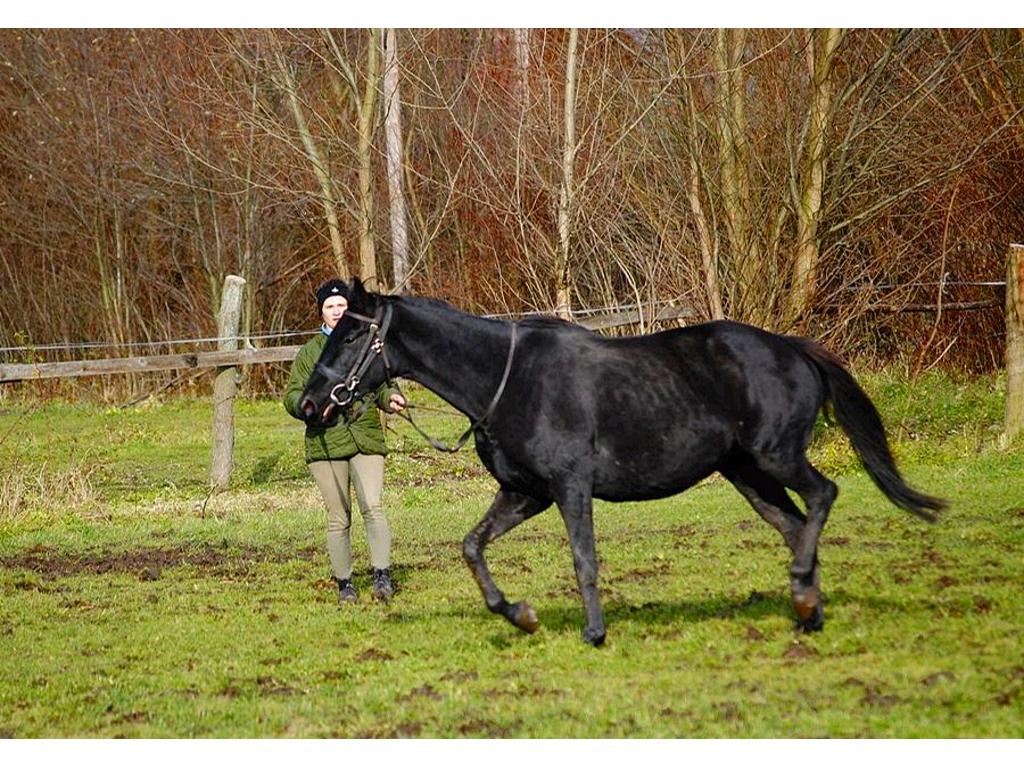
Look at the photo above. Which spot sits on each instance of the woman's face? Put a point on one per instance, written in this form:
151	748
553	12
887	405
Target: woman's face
334	308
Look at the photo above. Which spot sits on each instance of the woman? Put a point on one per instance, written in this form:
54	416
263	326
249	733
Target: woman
347	452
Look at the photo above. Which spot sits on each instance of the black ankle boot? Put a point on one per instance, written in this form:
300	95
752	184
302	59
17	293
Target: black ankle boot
382	587
346	591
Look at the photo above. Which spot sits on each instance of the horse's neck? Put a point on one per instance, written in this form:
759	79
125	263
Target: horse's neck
456	356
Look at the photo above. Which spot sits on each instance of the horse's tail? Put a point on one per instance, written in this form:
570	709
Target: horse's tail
859	419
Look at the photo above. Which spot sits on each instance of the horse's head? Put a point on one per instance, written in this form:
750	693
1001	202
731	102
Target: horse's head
351	364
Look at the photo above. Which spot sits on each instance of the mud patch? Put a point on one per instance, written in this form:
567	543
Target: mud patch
753	634
132	717
533	692
657	570
485	728
272	686
944	582
400	731
373	654
874	698
459	677
423	692
937	677
873	694
148	564
798	652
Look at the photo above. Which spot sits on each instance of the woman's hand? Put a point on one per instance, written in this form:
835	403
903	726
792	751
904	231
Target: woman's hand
396	403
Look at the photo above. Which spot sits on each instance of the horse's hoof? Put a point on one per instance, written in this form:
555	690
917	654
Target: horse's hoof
810	614
814	624
525	617
594	636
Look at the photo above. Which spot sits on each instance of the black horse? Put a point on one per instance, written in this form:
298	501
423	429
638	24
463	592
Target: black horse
563	415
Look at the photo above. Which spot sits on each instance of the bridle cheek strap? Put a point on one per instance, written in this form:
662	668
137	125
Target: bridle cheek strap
374	345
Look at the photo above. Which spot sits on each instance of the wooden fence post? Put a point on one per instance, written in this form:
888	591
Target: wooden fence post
225	385
1014	422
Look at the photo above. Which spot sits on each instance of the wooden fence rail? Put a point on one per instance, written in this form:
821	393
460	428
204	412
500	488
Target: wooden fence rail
145	364
10	372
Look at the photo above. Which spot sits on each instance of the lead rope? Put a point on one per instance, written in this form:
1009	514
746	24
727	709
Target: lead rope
440	445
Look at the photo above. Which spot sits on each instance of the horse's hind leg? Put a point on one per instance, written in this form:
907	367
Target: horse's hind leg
506	512
818	494
769	499
768	496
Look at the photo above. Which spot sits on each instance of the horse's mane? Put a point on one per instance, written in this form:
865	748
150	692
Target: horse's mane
550	321
531	321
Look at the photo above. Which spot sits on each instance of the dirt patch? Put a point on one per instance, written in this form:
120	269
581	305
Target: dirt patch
944	582
749	544
400	731
132	717
798	651
657	570
272	686
372	654
873	695
873	698
937	677
459	677
486	728
753	634
426	691
728	711
149	564
533	692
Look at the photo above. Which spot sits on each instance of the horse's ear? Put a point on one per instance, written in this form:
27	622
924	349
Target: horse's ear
356	292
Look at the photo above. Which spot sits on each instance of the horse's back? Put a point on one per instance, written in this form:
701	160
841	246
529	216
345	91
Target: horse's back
654	414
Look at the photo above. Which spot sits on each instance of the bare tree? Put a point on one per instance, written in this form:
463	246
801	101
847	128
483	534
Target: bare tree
395	151
821	51
774	176
286	82
566	194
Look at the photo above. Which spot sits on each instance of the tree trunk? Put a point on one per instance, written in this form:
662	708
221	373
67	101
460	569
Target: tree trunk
522	46
563	274
393	132
320	169
820	55
708	243
734	171
367	251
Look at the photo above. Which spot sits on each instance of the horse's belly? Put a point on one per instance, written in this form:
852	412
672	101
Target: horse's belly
655	469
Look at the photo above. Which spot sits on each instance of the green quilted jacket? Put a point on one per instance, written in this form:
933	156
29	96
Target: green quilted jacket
364	435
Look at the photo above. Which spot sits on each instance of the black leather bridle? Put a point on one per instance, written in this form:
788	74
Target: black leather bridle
375	345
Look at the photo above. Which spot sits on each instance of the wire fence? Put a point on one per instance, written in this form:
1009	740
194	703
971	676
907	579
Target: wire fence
247	340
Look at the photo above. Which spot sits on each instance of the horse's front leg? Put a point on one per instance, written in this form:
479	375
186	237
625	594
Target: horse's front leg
507	511
576	506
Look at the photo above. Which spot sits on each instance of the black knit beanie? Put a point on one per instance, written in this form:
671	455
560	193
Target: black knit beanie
332	287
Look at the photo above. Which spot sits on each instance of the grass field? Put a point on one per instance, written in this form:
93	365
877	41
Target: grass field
132	605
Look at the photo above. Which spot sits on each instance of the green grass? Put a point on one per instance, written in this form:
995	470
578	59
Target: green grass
134	606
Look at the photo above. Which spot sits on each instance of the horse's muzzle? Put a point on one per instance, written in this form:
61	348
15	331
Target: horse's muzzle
308	408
